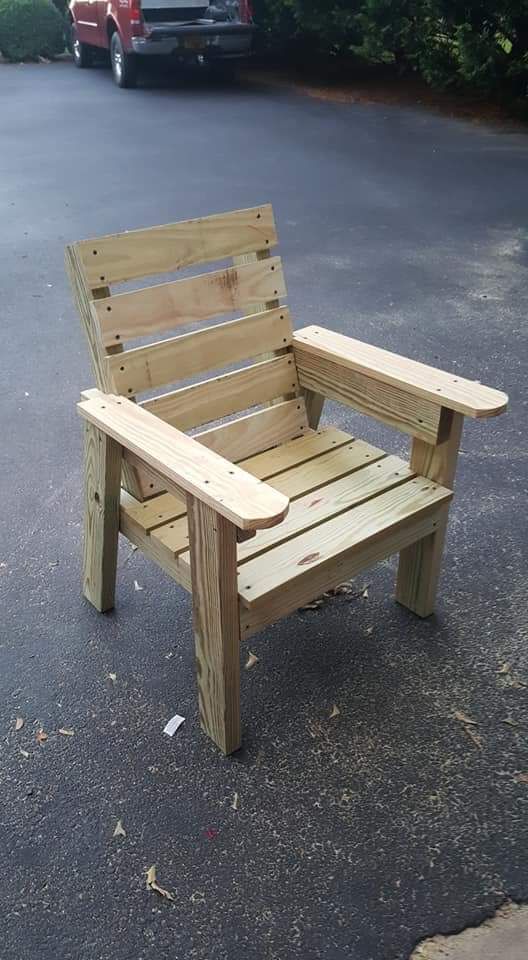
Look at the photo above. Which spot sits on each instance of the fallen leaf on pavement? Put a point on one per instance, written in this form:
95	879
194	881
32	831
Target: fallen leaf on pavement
474	737
41	736
234	805
314	605
335	712
211	833
510	722
251	661
66	731
152	884
505	668
19	723
463	717
521	778
119	830
25	754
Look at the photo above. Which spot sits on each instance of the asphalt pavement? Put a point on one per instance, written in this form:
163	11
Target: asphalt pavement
354	837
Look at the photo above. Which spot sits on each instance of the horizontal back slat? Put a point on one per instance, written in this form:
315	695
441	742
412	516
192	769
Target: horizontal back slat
142	253
221	396
164	306
257	431
144	368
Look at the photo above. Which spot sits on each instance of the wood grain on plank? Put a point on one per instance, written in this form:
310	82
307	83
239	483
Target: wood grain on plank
166	507
216	623
308	477
138	313
230	393
258	431
188	465
307	556
142	253
102	484
393	406
420	564
169	361
446	389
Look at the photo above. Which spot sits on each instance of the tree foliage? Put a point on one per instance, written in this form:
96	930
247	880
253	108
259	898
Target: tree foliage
483	43
29	29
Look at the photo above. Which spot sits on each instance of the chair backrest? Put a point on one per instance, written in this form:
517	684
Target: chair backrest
251	285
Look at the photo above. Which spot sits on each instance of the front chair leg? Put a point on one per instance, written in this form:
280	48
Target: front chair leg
213	542
102	488
419	566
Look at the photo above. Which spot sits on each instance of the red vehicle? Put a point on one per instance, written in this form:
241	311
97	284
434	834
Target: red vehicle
133	29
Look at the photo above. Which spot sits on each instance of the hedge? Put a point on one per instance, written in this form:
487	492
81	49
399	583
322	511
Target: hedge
449	42
30	29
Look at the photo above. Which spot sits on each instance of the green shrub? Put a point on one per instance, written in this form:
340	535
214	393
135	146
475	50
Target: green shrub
450	42
29	29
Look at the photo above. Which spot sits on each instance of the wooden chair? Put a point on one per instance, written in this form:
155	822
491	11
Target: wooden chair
261	514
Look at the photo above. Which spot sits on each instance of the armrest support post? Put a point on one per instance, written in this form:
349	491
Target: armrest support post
213	548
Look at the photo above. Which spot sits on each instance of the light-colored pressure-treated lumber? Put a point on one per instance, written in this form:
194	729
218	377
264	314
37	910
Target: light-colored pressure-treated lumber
142	253
186	464
216	623
180	357
257	431
314	403
230	393
138	313
304	478
178	570
102	484
309	556
302	590
166	507
318	502
419	564
427	383
393	406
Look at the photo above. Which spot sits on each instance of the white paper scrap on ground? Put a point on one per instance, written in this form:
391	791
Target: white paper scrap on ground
174	723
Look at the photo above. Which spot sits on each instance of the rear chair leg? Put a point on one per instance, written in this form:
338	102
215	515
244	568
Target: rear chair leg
419	566
101	517
216	618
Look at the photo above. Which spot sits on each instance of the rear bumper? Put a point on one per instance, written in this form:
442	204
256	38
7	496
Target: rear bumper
211	40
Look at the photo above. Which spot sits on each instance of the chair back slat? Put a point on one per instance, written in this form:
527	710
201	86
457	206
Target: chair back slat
143	253
253	286
140	313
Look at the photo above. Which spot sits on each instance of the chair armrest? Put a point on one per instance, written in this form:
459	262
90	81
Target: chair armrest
186	464
445	389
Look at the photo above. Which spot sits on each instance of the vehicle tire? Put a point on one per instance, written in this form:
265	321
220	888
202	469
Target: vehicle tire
124	65
82	53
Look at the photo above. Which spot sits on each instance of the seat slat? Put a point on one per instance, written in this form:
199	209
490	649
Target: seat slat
308	558
315	495
140	313
221	396
334	498
143	253
166	507
169	361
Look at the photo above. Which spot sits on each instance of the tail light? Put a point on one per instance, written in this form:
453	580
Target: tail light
246	11
136	18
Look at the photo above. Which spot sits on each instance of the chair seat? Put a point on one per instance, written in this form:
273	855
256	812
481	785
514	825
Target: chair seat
351	505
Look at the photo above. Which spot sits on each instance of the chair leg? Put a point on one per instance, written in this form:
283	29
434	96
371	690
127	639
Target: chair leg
216	623
419	572
419	566
101	517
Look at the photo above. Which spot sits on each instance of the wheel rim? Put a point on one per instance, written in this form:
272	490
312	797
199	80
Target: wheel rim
117	60
76	46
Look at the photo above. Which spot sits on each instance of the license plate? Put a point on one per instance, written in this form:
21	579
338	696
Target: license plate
194	43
